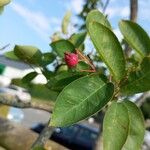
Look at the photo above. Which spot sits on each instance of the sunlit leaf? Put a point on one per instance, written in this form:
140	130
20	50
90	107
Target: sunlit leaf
11	55
136	37
62	46
97	16
109	49
77	39
28	54
81	99
4	2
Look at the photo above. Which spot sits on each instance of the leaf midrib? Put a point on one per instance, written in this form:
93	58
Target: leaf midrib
84	99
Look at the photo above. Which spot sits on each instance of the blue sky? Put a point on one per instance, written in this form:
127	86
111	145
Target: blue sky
31	22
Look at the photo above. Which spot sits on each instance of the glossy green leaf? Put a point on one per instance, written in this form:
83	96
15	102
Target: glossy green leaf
62	46
81	99
115	127
65	22
136	37
60	84
29	77
4	2
28	54
138	81
109	49
11	55
123	127
136	127
97	16
48	58
77	39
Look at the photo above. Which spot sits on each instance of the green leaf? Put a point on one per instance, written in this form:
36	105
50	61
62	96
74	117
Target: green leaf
123	127
138	81
136	127
29	77
61	46
11	55
60	84
65	22
48	58
115	127
28	54
4	2
62	68
109	49
81	99
97	16
77	39
82	66
136	37
1	10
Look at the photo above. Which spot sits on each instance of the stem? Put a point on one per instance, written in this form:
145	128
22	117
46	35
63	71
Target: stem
87	60
43	137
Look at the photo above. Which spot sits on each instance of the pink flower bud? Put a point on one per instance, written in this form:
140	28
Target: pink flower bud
71	59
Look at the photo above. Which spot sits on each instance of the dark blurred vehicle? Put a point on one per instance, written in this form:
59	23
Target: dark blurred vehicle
76	137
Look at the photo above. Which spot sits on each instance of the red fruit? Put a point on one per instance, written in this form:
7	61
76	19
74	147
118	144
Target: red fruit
71	59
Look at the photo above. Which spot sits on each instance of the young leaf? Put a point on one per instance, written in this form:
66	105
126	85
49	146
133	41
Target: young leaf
65	22
109	49
28	54
136	127
115	127
29	77
81	99
77	39
138	81
97	16
11	55
61	46
4	2
136	37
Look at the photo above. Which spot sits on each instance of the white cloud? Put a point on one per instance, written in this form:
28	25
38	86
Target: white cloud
117	11
36	20
73	5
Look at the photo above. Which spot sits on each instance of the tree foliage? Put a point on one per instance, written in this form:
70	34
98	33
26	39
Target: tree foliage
83	93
